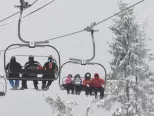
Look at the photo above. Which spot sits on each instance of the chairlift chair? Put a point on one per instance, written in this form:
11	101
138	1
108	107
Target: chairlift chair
4	87
23	71
61	80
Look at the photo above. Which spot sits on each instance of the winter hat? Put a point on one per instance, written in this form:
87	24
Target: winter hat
96	75
69	75
50	57
13	59
87	75
77	75
31	58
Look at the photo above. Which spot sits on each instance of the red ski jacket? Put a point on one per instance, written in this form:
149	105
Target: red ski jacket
87	82
97	82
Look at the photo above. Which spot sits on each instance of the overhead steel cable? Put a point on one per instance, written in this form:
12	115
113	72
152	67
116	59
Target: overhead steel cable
29	13
10	49
85	29
16	12
98	22
34	2
67	35
120	12
9	16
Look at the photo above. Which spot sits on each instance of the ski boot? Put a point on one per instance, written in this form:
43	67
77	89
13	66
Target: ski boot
36	87
22	88
16	87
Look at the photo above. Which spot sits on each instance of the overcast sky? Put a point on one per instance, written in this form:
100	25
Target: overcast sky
62	17
66	16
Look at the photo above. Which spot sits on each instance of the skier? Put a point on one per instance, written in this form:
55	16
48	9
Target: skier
87	84
98	84
69	84
13	67
50	65
31	65
77	84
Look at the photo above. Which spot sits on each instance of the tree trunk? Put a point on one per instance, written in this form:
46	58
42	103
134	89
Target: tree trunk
136	97
127	94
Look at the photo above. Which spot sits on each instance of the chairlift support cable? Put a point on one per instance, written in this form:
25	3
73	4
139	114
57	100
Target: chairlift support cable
10	49
120	12
80	30
98	22
65	35
16	12
28	13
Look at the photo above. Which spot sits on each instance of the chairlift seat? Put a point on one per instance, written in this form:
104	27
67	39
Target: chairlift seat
37	71
31	79
26	72
32	71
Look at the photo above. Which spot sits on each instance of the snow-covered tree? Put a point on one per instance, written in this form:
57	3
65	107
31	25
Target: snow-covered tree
130	53
128	47
63	108
59	107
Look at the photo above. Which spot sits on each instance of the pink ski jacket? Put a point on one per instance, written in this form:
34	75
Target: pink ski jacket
68	80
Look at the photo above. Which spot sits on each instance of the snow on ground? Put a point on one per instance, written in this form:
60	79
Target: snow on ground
32	103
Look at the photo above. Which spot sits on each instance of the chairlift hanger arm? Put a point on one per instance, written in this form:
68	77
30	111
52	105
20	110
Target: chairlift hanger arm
94	47
91	30
19	33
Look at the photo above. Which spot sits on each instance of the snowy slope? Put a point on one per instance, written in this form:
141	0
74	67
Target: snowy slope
31	102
